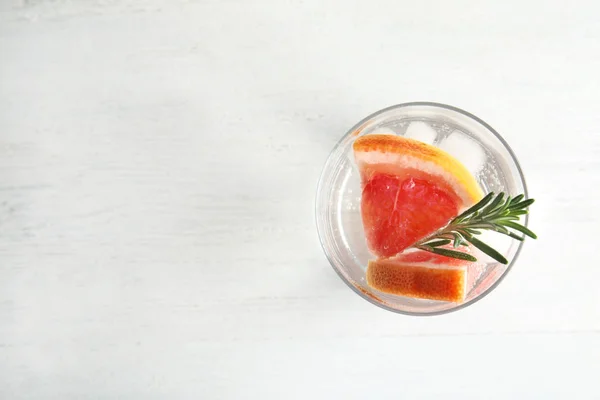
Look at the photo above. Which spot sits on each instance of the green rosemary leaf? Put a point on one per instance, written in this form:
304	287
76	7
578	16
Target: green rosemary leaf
509	217
482	203
457	241
521	205
493	206
473	231
520	228
488	250
438	243
512	235
451	253
518	212
481	225
501	229
515	236
517	199
504	208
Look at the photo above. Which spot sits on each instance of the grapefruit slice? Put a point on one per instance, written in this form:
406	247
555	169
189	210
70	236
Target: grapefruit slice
410	190
424	275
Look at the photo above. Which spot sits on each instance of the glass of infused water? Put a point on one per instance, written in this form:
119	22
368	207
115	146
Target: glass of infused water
422	164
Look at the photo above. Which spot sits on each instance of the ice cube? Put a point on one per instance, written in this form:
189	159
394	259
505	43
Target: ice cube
421	131
465	149
382	131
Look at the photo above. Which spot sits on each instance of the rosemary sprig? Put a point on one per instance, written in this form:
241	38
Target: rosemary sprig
498	213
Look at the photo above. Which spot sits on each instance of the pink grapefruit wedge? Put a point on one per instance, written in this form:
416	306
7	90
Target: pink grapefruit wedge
424	275
410	190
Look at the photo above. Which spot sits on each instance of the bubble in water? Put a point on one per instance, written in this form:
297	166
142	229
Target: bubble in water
421	131
465	149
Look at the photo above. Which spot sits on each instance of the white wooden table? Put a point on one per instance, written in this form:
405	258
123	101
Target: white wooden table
158	164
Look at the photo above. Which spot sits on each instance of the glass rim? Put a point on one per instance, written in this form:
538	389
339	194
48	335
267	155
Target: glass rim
321	234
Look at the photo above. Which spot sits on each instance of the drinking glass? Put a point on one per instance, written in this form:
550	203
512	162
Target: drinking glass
466	137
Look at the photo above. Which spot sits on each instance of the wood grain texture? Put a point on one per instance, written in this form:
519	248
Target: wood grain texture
158	163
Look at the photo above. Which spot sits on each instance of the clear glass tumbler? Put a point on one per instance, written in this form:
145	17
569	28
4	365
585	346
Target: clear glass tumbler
469	139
